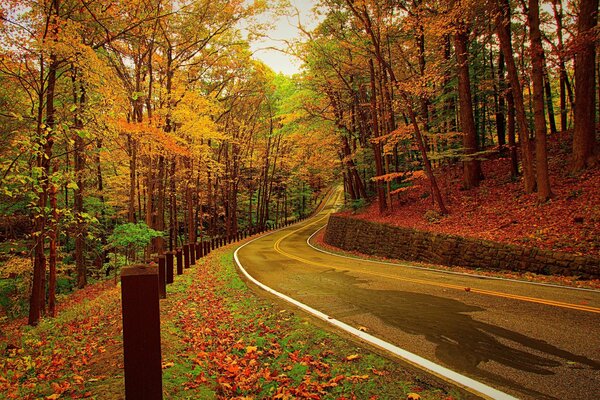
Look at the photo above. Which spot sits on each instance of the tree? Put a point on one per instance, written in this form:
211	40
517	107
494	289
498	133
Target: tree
537	73
472	168
584	135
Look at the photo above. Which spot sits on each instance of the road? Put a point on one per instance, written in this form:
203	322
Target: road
530	341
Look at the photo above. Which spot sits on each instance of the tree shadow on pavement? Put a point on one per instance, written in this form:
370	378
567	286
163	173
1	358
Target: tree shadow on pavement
463	343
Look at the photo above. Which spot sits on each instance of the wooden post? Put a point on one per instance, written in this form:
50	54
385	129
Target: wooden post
179	257
141	333
199	250
169	255
162	280
192	247
169	270
186	255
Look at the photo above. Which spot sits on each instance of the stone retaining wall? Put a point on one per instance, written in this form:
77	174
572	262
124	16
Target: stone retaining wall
437	248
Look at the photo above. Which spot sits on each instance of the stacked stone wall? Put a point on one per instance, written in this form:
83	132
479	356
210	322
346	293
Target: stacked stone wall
382	240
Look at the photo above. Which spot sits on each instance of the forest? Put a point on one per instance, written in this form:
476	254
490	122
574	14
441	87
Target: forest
131	127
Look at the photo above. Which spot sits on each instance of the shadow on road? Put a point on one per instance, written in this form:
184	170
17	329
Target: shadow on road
463	343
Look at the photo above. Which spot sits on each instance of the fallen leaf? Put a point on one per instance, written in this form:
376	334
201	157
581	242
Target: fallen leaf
168	365
251	349
352	357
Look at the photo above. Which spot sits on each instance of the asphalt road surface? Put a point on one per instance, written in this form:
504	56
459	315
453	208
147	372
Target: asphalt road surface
531	341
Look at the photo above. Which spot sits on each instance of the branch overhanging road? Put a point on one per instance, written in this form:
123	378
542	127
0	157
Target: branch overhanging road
531	341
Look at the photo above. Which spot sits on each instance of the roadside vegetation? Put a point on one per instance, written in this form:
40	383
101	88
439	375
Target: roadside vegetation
219	340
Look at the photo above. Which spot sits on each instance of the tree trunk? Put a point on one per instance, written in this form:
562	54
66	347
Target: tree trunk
537	73
501	94
173	231
376	145
46	140
159	244
504	35
53	253
510	127
472	167
584	135
562	71
79	156
132	149
549	104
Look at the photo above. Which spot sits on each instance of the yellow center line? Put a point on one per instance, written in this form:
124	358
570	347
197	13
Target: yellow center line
554	303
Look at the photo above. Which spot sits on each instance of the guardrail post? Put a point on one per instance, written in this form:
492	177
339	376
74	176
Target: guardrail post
162	278
192	253
169	255
141	333
186	255
179	258
200	249
162	263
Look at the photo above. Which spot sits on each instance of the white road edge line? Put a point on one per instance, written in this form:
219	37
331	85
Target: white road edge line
442	270
435	369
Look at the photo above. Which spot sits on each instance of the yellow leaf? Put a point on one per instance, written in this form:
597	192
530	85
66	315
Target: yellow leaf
167	365
251	349
352	357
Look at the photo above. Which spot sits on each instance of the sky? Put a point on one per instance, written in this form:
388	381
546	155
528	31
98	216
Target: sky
285	29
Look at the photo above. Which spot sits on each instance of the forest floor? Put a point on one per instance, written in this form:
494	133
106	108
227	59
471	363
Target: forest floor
499	210
219	340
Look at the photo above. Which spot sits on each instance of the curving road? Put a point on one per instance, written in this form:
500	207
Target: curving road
530	341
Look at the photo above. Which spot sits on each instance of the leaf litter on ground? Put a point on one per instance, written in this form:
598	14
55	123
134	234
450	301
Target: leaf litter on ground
219	340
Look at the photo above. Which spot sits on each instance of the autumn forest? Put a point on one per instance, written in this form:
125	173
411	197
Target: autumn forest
129	128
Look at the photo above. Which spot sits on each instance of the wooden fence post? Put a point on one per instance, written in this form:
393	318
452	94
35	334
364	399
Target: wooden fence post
162	278
141	333
200	249
186	255
192	247
179	257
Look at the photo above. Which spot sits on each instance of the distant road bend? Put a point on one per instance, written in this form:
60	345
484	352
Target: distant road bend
530	341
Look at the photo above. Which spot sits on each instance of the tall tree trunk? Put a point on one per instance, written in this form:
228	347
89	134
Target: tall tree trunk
46	140
584	135
79	156
437	196
159	245
537	72
562	70
504	35
510	128
189	200
132	150
472	167
173	225
376	145
501	94
549	104
53	234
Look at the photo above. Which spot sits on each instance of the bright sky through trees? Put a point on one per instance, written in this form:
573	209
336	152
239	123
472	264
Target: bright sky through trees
271	50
